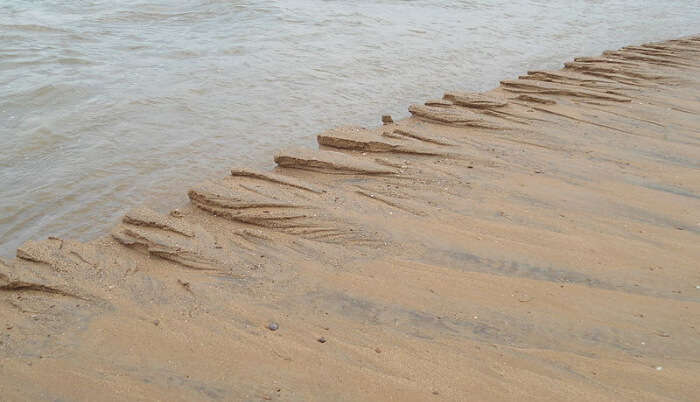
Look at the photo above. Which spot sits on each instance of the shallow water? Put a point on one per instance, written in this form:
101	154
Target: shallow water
105	105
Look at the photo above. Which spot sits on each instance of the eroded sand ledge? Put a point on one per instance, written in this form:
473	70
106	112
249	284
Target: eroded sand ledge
539	241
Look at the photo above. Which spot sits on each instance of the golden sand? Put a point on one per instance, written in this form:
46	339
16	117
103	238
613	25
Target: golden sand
537	242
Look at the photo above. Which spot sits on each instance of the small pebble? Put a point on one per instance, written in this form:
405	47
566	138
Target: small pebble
273	326
524	298
322	340
659	368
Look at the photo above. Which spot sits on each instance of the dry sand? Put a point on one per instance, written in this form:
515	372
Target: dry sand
537	242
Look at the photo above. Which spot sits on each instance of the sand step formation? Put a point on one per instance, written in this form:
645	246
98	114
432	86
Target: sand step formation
649	59
330	162
535	99
279	203
614	70
172	239
19	276
453	116
364	140
425	136
275	178
574	78
531	86
439	103
474	100
53	266
491	110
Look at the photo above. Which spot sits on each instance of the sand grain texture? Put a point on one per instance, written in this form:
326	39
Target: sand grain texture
537	242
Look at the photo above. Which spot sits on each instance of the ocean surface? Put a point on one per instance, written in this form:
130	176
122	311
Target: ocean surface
105	105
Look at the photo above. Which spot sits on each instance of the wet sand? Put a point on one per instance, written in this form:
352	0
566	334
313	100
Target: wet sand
539	241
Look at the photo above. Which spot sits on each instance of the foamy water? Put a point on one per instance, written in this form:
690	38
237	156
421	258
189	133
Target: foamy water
105	105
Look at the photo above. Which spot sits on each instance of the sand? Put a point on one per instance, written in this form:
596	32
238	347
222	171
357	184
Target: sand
537	242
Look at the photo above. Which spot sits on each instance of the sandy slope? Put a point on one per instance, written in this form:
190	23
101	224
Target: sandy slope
540	241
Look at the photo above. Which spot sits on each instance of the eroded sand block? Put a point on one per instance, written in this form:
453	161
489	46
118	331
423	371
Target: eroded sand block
18	277
53	252
671	47
636	57
274	178
271	205
614	71
575	78
439	103
172	239
424	136
652	51
60	267
548	88
454	116
329	162
146	217
536	99
605	60
475	100
360	139
248	205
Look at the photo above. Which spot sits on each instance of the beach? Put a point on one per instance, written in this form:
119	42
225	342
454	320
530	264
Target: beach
109	106
538	241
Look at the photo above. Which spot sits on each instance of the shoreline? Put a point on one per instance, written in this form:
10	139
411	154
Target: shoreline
539	240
